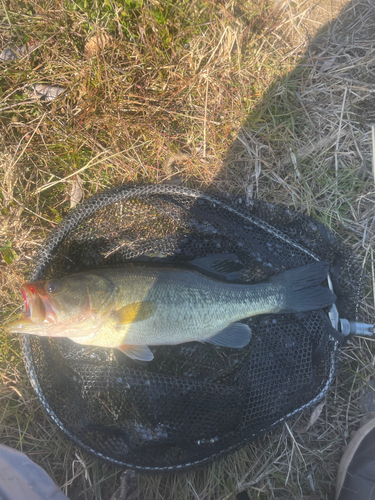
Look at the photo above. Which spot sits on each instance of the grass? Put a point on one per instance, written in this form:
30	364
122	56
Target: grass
258	99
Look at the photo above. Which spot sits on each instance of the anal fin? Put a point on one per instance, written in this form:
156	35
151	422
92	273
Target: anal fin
235	335
140	352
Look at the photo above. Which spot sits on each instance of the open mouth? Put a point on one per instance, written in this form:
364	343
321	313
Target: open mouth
26	300
37	304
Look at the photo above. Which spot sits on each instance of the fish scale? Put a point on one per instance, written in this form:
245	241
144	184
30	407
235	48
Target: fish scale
139	305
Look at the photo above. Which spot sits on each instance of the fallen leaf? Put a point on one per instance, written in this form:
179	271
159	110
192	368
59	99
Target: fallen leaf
76	191
46	92
13	53
315	414
96	43
314	417
327	64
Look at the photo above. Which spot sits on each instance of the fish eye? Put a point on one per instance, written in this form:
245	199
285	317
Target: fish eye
53	287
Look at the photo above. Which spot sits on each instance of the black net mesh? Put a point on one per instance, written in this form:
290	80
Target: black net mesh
193	402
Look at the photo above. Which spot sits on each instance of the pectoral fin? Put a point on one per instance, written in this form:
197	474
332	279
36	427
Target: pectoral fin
137	311
235	335
140	352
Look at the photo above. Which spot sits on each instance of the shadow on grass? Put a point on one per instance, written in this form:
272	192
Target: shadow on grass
304	145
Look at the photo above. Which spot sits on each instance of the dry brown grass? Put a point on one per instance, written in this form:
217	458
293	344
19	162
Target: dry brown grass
262	100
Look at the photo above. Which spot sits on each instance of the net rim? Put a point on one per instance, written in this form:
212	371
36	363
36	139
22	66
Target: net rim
71	221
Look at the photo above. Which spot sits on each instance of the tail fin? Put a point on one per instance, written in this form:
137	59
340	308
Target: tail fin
302	288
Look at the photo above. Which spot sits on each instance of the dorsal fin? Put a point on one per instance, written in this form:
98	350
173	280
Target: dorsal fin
222	266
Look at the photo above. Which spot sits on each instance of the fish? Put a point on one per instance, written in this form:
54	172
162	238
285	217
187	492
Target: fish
150	304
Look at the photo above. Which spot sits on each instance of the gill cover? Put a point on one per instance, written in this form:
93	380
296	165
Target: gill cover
73	306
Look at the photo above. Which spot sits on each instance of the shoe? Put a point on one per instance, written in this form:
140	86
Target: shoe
356	475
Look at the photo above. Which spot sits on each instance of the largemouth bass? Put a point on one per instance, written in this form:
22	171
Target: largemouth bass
140	305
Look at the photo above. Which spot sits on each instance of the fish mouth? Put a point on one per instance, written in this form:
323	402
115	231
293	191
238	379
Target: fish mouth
37	304
41	316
